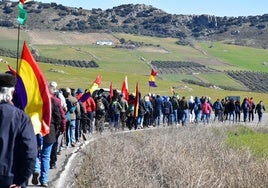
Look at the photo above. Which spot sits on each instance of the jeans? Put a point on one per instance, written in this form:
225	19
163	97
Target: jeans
71	132
184	114
197	116
43	163
232	116
206	118
140	121
260	116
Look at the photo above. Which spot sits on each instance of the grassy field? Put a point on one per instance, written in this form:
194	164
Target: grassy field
115	64
247	138
245	58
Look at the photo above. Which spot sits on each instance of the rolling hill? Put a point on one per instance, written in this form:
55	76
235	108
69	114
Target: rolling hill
199	62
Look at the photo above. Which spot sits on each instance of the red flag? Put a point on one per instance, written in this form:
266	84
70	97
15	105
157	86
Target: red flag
111	91
137	101
124	89
24	1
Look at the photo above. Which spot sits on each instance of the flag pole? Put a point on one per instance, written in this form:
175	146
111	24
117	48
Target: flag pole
18	46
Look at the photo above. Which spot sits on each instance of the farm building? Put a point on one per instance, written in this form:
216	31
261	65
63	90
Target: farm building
104	42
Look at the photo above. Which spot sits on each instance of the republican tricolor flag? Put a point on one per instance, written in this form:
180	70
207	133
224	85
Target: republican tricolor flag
152	78
94	86
31	92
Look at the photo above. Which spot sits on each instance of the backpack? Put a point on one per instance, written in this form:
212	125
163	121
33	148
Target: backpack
100	106
166	108
114	108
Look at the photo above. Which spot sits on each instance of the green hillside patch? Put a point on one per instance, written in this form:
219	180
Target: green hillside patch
220	79
246	138
246	58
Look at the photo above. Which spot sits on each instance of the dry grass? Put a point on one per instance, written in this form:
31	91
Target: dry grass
172	157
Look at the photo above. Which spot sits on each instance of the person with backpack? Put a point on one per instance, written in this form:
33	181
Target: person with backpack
123	111
100	113
260	108
184	106
167	110
206	110
141	112
218	110
114	111
148	111
175	105
197	109
72	107
158	105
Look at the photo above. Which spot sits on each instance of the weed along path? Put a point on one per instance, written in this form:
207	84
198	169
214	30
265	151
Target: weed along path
71	159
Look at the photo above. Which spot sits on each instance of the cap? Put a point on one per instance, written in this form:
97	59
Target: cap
79	90
53	84
7	80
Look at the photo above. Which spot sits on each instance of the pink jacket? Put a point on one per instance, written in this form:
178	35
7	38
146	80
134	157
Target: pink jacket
206	108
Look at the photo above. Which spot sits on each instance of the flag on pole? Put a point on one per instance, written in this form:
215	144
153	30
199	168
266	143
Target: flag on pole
24	1
94	86
137	101
22	17
111	92
124	89
152	78
31	92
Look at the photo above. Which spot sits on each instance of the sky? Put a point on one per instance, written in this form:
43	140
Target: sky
186	7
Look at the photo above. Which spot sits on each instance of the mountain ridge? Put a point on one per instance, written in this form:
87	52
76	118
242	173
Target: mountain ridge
140	19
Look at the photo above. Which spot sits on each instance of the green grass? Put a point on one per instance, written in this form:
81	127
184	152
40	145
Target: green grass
115	64
216	78
243	137
245	58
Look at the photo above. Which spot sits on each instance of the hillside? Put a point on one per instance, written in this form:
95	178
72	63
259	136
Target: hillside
183	62
140	19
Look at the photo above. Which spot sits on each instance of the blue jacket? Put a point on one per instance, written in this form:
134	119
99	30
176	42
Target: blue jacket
18	148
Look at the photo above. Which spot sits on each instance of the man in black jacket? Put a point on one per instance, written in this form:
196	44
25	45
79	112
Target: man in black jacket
18	148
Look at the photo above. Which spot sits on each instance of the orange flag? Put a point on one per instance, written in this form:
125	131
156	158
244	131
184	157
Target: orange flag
137	101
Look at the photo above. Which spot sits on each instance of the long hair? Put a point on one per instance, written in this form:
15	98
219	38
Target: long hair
6	94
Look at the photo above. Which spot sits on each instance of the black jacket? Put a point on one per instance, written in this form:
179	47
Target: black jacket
51	137
18	148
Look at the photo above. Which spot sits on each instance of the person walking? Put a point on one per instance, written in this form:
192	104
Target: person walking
206	110
123	111
245	109
260	108
18	147
42	164
72	109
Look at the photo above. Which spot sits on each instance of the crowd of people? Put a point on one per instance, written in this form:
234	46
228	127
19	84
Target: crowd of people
74	118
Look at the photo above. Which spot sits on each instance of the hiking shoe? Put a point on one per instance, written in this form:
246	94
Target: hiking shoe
84	136
73	144
35	178
44	184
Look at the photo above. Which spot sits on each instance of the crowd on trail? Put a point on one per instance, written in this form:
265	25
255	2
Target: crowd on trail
74	120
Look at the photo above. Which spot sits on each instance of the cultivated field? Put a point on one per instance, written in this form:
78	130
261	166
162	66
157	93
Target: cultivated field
116	63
